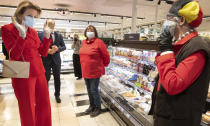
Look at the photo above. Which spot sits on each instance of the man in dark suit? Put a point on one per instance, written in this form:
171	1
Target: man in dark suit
53	60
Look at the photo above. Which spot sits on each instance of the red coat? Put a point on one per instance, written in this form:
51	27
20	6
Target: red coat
31	48
94	57
177	79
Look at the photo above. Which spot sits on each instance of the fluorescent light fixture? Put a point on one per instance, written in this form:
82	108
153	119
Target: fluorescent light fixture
6	21
78	28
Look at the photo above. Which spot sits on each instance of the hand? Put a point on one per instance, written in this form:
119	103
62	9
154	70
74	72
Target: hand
165	41
2	57
50	51
55	48
47	31
20	27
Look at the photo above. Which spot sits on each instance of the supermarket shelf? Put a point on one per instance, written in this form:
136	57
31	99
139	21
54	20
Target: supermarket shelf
140	89
204	123
146	45
133	85
126	57
113	113
125	68
121	108
136	118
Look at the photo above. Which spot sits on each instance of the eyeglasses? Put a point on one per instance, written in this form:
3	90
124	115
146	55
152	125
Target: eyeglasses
172	17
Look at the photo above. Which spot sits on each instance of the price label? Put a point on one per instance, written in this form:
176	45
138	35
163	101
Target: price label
127	115
113	101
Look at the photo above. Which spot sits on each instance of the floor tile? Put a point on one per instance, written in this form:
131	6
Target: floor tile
84	120
64	113
70	122
101	120
10	123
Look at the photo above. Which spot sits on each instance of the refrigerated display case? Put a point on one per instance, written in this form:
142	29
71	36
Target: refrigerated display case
206	114
66	57
127	87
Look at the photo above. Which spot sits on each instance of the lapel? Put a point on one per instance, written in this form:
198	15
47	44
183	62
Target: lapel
56	37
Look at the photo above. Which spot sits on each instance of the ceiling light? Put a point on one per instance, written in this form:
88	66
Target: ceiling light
63	12
4	21
62	5
167	1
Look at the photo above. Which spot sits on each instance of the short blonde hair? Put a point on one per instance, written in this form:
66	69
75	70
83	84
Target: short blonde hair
23	6
50	23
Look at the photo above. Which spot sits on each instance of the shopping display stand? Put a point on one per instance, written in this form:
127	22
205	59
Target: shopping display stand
204	123
121	110
144	45
119	107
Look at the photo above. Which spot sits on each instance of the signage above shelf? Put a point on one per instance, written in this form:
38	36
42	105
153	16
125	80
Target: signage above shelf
146	45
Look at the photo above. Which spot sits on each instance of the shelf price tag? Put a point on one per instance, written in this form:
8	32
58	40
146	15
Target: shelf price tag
112	101
127	115
141	90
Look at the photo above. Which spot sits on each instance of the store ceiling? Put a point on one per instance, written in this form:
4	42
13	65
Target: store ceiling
146	9
117	7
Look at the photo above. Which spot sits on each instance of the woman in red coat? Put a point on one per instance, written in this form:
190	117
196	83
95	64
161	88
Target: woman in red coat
93	58
23	43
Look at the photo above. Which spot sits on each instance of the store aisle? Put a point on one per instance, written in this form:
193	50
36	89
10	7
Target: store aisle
68	113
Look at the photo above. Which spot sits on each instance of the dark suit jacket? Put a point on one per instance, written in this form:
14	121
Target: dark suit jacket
5	51
61	47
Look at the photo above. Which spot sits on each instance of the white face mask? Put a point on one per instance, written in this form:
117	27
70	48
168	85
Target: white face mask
169	26
90	35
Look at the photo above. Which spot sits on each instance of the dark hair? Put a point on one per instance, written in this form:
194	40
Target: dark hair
95	31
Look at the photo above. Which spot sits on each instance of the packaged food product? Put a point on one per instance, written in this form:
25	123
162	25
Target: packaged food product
206	118
208	113
145	107
128	94
208	95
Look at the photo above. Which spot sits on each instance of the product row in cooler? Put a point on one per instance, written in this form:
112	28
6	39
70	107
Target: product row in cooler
131	74
139	101
206	116
137	67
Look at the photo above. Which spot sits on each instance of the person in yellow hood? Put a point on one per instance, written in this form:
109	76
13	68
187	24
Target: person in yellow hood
184	68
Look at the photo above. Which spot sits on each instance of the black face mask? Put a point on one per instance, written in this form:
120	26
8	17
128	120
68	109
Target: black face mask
75	39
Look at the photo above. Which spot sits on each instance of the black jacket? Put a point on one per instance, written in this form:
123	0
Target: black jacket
184	109
5	51
61	47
